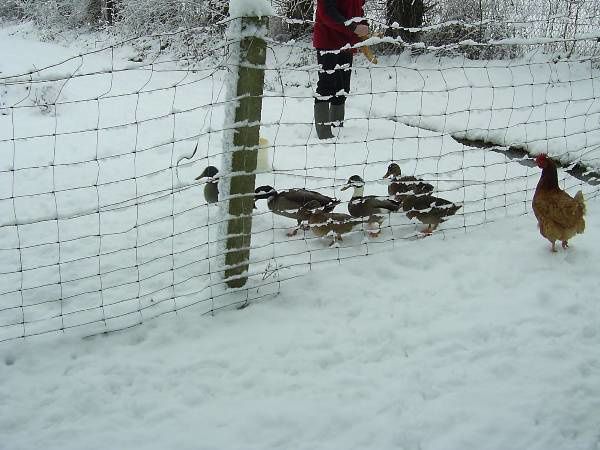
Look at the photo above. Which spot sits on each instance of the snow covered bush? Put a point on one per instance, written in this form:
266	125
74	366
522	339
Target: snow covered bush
487	20
140	17
300	11
11	9
181	22
61	14
447	35
188	28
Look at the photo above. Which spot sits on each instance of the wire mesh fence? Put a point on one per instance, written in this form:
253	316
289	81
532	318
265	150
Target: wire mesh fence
104	224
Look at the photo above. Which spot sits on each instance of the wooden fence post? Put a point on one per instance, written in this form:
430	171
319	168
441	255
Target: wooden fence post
244	149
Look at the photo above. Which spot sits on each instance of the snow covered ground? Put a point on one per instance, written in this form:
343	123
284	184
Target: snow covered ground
465	340
482	340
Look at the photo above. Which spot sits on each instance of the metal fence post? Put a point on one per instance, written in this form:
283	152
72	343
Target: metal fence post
249	91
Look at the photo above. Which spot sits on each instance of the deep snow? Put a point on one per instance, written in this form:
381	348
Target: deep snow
482	340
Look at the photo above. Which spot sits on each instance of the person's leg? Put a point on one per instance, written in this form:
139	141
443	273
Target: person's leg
328	77
338	103
326	86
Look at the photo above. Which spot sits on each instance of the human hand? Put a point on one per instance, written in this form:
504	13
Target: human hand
361	30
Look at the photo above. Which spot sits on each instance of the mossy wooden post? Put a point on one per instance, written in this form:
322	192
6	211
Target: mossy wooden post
251	74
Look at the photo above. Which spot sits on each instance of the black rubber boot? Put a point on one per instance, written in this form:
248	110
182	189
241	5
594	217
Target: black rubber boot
322	124
337	114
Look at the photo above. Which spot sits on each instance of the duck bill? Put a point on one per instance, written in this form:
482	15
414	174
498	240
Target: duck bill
347	186
387	174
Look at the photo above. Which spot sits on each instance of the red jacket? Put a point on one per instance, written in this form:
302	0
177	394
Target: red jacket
329	33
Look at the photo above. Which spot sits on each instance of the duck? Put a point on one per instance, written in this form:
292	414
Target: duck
211	188
323	223
428	209
368	206
287	203
402	185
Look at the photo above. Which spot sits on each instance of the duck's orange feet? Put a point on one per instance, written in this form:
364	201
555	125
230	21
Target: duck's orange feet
427	231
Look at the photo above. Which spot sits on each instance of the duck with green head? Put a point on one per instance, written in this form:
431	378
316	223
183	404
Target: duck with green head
367	205
211	188
403	184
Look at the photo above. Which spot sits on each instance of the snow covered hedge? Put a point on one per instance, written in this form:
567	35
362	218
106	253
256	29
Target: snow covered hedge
129	17
447	21
140	17
11	9
53	13
179	20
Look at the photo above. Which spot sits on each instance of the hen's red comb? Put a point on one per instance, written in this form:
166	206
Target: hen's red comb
541	159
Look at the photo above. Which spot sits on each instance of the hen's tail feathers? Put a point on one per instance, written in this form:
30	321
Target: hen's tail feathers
580	200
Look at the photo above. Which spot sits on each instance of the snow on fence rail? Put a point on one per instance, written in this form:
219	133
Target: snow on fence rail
103	224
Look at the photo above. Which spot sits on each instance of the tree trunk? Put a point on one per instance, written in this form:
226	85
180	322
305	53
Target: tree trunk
301	10
408	14
109	11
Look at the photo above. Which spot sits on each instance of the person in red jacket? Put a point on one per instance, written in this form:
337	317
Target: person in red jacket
338	23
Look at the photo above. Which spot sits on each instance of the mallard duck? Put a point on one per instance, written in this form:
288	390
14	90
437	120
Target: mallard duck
287	203
427	209
324	223
367	206
402	185
211	188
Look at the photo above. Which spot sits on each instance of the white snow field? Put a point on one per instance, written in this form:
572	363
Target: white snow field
477	337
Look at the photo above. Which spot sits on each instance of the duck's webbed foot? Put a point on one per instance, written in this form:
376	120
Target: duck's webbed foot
428	231
373	227
337	238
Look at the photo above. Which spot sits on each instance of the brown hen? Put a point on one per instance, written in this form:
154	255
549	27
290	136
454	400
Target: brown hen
559	216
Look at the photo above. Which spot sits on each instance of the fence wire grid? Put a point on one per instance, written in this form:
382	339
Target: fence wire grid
103	225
